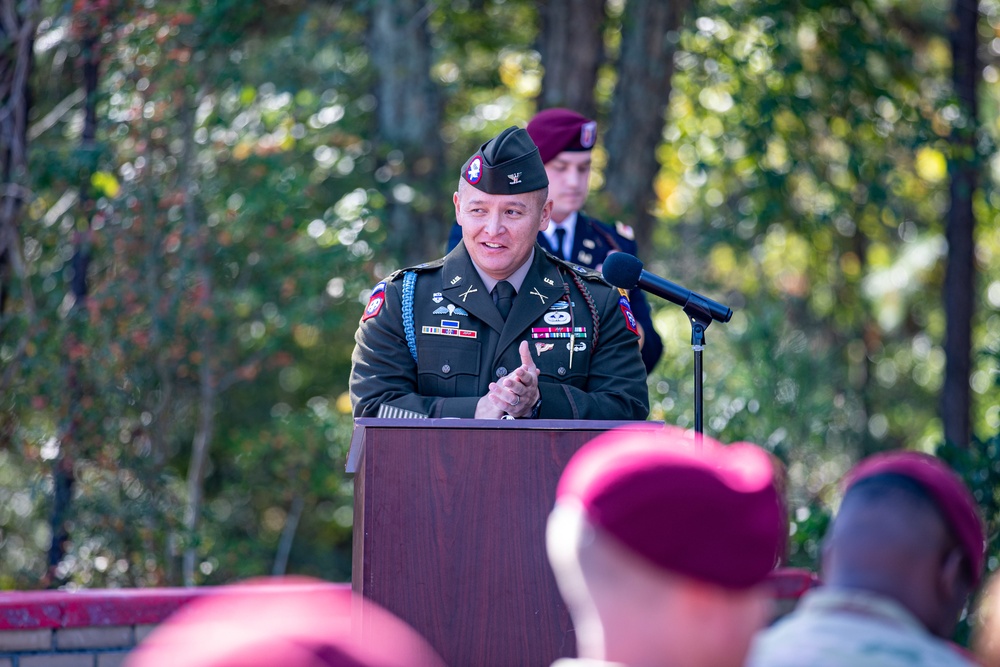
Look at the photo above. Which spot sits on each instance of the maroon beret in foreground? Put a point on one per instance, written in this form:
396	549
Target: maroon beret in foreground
709	512
558	130
295	622
946	488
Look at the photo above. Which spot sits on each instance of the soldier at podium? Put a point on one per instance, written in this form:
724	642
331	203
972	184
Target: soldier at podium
565	140
660	547
499	327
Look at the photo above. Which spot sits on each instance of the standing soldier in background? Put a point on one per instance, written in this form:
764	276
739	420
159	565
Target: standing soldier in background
565	140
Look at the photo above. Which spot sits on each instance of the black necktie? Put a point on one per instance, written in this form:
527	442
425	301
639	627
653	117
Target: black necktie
560	237
505	297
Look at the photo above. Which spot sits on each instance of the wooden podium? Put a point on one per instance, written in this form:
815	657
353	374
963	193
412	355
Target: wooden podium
449	532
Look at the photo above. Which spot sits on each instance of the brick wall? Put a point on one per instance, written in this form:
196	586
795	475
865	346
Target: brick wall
88	628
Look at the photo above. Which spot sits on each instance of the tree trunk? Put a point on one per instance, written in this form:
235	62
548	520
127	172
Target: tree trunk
208	380
637	114
409	114
960	274
63	466
572	47
18	23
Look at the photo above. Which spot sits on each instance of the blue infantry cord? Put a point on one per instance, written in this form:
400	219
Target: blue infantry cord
409	285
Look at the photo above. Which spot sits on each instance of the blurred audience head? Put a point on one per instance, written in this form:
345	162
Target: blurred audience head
908	529
986	633
660	547
295	622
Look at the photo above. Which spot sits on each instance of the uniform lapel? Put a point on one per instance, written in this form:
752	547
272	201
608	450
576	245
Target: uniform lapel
541	288
463	287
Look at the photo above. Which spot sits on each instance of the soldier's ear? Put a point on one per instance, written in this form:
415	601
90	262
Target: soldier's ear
546	215
454	200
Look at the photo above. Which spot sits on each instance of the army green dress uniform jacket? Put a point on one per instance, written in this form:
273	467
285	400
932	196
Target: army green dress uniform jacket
590	367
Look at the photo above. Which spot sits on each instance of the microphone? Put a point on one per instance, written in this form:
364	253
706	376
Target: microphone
625	271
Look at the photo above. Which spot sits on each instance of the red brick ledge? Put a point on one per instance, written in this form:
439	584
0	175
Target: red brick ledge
31	610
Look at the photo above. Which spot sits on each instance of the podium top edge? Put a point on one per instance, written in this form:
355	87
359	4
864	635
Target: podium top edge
572	424
362	423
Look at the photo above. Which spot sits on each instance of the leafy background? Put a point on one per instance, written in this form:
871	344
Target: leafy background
209	209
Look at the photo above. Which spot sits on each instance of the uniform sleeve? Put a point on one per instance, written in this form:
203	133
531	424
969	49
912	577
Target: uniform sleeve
383	371
616	384
652	347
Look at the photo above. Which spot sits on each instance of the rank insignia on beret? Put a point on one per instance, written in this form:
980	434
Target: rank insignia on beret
475	170
514	178
588	134
629	317
374	306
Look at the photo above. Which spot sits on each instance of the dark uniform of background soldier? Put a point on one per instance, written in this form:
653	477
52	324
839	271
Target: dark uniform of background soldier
565	139
433	341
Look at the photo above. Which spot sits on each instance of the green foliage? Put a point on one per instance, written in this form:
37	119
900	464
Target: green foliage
232	209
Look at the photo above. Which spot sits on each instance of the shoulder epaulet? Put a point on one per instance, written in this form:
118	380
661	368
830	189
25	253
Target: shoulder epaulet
426	266
582	271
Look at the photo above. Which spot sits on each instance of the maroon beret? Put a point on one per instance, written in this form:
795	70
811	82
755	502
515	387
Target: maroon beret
558	130
706	511
294	622
944	486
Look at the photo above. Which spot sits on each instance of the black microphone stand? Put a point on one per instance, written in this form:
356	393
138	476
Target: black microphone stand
700	317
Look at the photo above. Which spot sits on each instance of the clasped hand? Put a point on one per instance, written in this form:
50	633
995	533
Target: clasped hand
515	394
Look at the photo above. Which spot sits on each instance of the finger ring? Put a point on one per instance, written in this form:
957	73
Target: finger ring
517	399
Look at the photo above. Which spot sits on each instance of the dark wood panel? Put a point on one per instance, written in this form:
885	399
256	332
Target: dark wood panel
452	537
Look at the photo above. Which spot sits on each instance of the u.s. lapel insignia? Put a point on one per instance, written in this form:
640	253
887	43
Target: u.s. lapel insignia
549	281
585	257
534	290
456	279
589	243
437	297
465	295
